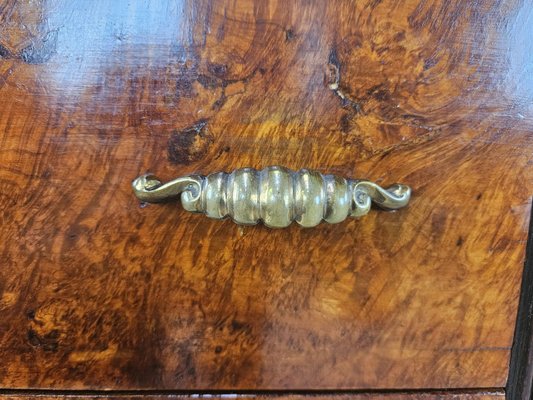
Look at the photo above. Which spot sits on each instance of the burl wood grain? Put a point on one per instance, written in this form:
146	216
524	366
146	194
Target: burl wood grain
100	292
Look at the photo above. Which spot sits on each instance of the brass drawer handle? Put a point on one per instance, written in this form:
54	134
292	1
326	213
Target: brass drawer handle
275	195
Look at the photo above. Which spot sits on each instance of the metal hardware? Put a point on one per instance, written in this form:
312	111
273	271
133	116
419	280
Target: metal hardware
275	195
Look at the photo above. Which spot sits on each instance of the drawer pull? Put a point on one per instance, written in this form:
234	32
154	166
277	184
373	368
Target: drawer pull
275	195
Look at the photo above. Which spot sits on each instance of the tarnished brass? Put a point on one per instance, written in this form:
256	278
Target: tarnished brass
275	195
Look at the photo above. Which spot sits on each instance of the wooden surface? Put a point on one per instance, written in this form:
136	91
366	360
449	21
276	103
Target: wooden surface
99	292
494	395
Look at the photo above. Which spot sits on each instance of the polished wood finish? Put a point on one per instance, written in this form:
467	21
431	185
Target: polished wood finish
100	292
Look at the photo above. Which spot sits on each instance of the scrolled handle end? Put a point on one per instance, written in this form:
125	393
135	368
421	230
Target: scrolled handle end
150	189
392	198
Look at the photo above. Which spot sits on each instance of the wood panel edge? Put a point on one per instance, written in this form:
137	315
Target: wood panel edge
426	394
520	382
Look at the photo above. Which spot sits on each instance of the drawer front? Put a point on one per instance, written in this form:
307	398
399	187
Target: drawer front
98	291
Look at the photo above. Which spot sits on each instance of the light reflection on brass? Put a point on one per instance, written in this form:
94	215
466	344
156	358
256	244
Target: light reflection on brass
275	195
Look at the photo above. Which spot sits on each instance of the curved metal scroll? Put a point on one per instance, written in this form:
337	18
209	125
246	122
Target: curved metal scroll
275	195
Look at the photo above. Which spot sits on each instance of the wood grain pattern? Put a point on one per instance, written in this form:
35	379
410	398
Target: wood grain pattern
98	292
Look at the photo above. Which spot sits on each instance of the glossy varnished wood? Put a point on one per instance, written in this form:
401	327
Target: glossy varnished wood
98	291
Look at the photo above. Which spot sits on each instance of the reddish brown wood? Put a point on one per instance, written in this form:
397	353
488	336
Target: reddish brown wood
99	292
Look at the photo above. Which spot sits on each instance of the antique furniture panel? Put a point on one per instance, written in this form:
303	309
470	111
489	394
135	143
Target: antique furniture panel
99	291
